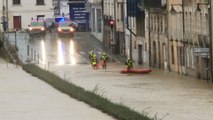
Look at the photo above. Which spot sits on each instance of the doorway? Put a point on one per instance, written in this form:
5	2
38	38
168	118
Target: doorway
154	55
164	57
17	22
140	54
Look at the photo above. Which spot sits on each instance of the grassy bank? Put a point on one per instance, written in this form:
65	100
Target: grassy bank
118	111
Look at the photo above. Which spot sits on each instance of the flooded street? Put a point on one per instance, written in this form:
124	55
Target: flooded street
161	94
24	97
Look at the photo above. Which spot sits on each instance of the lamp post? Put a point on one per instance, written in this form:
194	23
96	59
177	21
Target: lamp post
7	28
3	22
198	9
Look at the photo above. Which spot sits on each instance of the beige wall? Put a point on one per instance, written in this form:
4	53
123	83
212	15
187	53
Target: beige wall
109	7
196	23
27	10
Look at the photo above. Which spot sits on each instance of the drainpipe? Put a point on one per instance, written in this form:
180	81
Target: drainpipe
184	41
114	34
210	9
168	37
3	14
150	59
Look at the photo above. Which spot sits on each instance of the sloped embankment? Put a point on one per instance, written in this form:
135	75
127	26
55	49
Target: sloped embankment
118	111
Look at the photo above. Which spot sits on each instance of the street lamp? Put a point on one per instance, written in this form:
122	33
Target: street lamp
198	9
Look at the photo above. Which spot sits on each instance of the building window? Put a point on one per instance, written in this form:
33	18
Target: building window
16	2
165	25
172	52
39	2
28	50
192	58
161	25
206	25
93	20
155	23
151	23
122	13
188	57
140	21
99	20
182	56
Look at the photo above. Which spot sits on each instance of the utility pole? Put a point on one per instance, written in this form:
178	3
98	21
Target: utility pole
7	15
3	8
114	39
210	10
3	22
184	40
124	28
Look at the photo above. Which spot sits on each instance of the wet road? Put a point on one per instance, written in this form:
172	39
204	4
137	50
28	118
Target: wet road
24	97
54	50
162	94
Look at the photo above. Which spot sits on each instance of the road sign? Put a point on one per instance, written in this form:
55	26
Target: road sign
196	50
4	18
201	54
201	51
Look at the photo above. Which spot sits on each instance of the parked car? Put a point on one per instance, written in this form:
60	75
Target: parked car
65	29
37	27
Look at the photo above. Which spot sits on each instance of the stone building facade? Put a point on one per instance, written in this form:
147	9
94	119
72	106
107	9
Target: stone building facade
189	30
167	34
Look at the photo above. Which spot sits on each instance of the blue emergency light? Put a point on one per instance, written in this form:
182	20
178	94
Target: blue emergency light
60	19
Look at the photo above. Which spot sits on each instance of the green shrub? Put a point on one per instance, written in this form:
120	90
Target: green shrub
118	111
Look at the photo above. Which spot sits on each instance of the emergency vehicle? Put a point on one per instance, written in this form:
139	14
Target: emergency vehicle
37	27
66	28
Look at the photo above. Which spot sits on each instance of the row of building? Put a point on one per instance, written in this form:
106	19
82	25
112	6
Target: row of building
172	35
19	13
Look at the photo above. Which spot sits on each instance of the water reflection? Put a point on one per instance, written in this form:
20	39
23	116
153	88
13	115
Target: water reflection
66	52
72	51
43	52
60	52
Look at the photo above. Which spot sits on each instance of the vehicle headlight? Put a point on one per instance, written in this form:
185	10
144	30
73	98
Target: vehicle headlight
30	28
71	29
59	29
42	28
